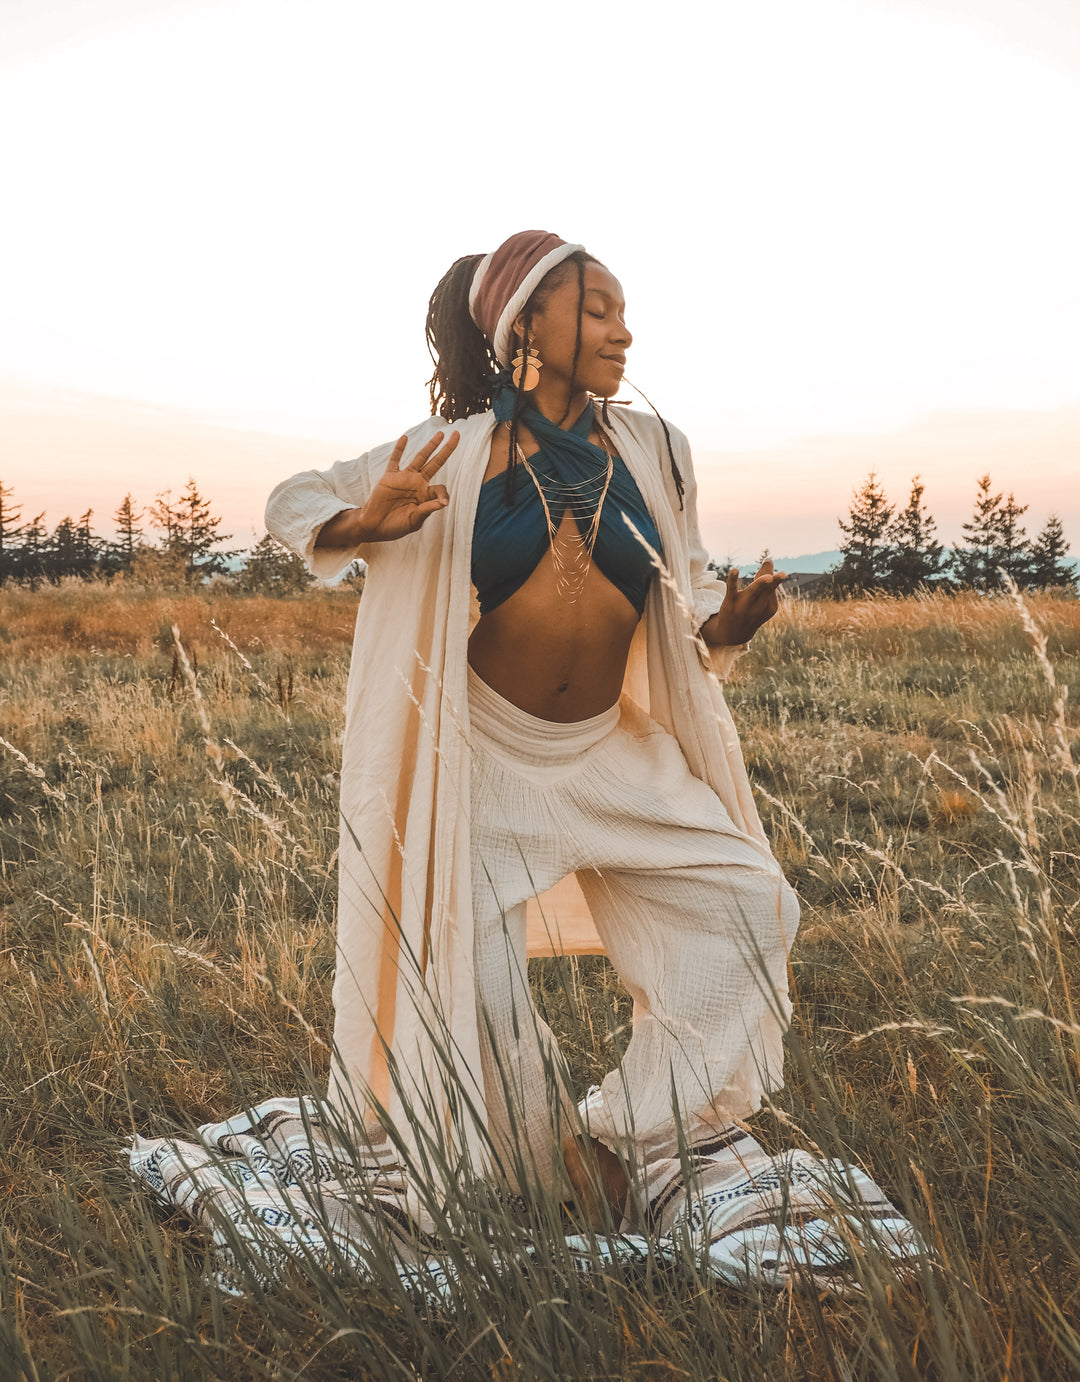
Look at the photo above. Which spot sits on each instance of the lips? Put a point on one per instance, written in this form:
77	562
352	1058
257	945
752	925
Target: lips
619	360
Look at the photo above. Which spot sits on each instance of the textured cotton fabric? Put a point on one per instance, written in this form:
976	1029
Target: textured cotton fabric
406	1033
458	809
276	1188
695	920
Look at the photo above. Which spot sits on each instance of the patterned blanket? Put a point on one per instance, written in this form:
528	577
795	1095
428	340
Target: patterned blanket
275	1188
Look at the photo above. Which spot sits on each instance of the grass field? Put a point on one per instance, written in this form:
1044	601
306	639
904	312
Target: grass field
166	915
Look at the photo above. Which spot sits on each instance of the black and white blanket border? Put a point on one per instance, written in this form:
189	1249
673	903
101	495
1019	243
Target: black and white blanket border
276	1191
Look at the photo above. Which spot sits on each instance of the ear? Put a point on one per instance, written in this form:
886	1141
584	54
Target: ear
519	328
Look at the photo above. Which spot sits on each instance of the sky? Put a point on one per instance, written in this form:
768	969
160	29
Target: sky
846	230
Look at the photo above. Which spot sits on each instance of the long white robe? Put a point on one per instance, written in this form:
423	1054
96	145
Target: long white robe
404	994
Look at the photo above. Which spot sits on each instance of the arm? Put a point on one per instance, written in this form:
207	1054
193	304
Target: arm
725	616
330	517
399	502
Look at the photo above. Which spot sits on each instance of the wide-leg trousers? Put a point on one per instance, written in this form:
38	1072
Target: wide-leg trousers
694	915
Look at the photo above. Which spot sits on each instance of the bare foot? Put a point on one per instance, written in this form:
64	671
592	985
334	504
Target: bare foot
598	1178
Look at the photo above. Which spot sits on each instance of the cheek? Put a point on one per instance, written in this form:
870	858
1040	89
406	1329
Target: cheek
595	337
555	340
557	346
592	336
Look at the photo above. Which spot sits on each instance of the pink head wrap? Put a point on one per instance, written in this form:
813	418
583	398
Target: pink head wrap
505	280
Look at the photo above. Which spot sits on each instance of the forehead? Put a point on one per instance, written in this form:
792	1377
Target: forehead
599	279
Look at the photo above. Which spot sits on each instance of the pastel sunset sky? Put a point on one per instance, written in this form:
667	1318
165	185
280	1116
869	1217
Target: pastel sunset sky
847	231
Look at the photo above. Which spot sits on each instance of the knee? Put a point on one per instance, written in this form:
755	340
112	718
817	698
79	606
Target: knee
765	909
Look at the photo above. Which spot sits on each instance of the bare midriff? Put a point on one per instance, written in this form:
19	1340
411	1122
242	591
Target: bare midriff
557	659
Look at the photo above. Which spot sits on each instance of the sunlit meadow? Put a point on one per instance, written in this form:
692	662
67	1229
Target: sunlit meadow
166	948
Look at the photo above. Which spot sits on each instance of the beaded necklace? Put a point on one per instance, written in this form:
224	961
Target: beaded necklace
572	544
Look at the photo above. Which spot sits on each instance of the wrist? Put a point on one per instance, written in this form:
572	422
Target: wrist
718	632
359	530
345	530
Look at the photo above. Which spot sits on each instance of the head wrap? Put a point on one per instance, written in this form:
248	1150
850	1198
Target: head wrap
505	280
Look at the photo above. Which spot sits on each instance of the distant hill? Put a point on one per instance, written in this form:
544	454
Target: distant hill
822	561
812	561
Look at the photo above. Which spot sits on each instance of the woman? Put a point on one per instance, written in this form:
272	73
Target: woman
562	726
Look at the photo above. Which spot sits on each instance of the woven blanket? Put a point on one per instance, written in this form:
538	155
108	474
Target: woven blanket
274	1189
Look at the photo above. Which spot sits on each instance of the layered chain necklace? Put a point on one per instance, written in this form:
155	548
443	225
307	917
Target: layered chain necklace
572	543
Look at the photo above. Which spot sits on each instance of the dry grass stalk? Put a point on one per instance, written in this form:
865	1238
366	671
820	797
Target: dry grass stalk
166	959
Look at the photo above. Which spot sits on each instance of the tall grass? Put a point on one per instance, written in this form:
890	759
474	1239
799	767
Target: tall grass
166	910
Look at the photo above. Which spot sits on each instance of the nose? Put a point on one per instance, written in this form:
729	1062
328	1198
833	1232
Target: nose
623	335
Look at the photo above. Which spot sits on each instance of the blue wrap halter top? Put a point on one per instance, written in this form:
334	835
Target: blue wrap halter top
511	539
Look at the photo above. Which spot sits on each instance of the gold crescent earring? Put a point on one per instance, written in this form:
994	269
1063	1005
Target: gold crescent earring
526	369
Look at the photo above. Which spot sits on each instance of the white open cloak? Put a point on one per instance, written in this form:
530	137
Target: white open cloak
404	991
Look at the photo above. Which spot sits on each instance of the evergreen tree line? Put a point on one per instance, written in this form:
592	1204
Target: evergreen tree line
176	541
896	550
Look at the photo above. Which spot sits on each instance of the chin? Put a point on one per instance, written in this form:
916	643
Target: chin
605	385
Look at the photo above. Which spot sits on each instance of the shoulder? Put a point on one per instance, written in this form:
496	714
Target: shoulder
649	429
470	429
475	425
415	436
652	436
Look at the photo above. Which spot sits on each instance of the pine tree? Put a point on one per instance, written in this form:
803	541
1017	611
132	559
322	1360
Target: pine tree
9	532
129	536
62	554
199	529
1012	553
271	569
30	556
191	532
164	516
864	554
974	559
1049	568
87	546
914	557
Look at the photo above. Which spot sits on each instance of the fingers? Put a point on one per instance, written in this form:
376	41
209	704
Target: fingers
439	460
439	500
763	586
422	456
394	463
428	463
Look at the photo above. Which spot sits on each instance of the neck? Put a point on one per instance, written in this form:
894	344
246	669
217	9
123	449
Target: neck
550	398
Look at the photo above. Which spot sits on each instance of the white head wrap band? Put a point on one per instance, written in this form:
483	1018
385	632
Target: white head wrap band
505	279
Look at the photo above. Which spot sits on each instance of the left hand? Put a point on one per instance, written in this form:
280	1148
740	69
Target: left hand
744	611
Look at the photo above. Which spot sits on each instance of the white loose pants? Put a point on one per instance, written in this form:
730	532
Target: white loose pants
695	916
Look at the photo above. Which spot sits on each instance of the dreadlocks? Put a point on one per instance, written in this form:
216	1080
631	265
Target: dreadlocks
465	364
466	369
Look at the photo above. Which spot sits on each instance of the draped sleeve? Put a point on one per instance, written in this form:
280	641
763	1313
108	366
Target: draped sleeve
300	505
707	586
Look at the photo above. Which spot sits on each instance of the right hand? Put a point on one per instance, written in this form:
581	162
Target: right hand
403	499
744	610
